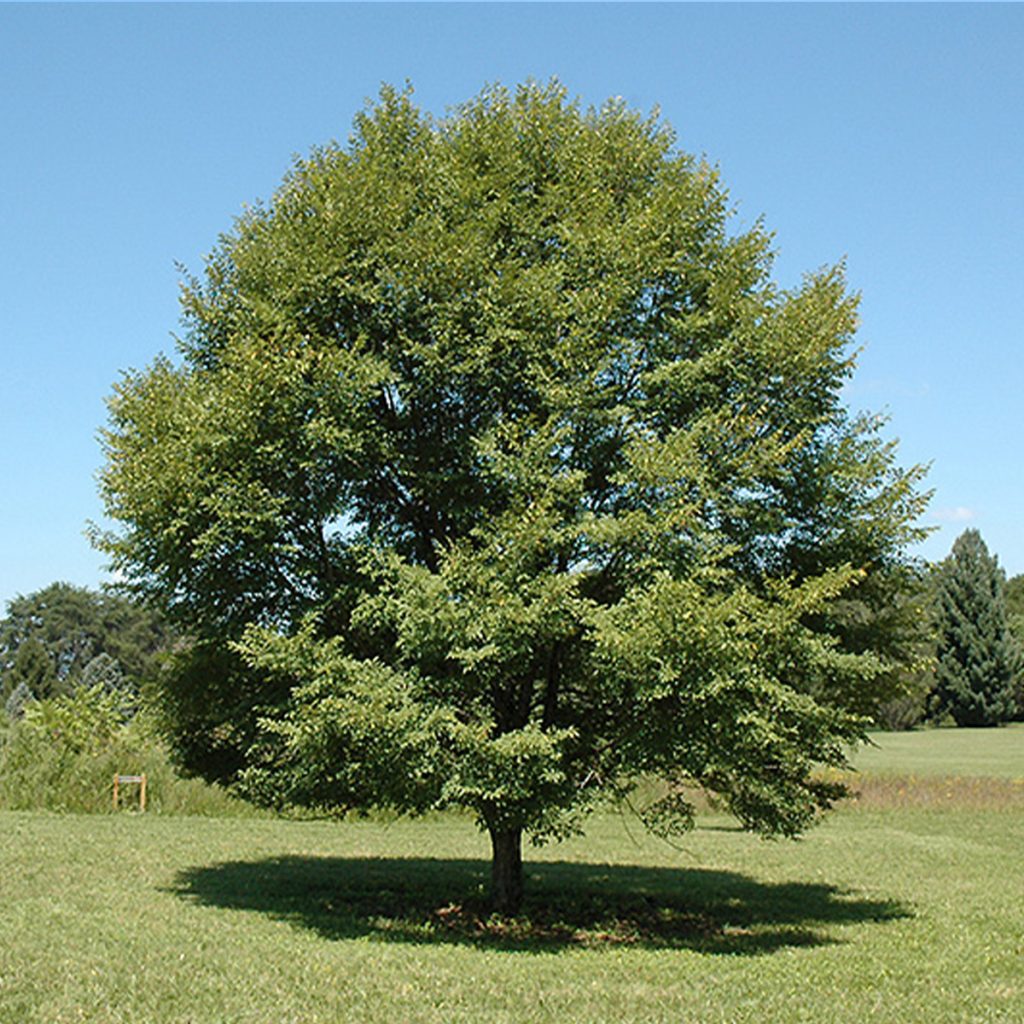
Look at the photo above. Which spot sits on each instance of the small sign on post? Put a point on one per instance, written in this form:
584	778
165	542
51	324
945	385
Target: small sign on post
139	780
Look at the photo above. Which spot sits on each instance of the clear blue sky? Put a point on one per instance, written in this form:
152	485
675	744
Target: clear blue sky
130	136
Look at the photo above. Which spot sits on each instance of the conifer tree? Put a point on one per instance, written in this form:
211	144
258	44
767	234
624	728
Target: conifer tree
976	654
1015	623
63	636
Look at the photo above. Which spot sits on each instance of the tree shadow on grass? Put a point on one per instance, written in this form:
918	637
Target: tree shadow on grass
425	900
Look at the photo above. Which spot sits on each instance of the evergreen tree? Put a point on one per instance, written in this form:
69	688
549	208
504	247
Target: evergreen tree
1015	623
103	671
1015	607
976	653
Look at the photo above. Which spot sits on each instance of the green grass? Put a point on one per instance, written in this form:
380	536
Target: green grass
948	752
909	914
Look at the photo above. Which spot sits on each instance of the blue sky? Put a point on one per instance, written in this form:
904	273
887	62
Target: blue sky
890	136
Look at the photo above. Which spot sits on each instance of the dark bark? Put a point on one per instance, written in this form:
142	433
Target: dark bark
507	870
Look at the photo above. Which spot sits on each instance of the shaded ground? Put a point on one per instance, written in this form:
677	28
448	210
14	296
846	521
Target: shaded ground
425	900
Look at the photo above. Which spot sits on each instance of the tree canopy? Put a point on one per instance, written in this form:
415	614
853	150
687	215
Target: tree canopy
63	636
496	471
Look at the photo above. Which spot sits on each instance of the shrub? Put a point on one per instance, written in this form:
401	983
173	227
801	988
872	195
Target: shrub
62	754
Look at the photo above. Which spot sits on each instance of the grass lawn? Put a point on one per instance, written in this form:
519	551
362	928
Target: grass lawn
886	912
965	752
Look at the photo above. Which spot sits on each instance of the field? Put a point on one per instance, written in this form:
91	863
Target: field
902	906
991	753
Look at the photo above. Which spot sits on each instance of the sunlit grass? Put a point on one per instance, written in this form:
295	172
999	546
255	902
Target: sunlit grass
902	915
906	905
969	769
949	752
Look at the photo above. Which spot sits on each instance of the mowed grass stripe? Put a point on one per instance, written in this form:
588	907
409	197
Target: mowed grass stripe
997	753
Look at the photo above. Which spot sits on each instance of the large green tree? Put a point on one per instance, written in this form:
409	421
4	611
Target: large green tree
496	471
977	657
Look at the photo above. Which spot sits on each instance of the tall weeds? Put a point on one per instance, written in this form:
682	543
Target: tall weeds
62	755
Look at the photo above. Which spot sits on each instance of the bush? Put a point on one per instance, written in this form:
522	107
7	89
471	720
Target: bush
62	755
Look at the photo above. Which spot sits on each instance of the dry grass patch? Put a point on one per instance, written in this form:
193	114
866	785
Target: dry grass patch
898	792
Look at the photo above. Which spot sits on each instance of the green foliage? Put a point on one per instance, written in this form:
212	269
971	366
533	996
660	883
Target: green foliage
977	659
32	667
909	619
207	703
496	470
1015	624
61	754
64	636
910	707
17	701
1014	592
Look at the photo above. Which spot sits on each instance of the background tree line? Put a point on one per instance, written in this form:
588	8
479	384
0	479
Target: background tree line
64	637
969	640
77	668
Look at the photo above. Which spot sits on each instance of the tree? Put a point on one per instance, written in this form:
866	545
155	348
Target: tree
496	472
61	636
1015	624
31	666
908	616
976	656
1014	591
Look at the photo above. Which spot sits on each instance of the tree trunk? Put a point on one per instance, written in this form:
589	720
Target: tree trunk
507	870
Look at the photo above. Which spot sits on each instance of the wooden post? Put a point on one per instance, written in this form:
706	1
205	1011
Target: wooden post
142	794
117	779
